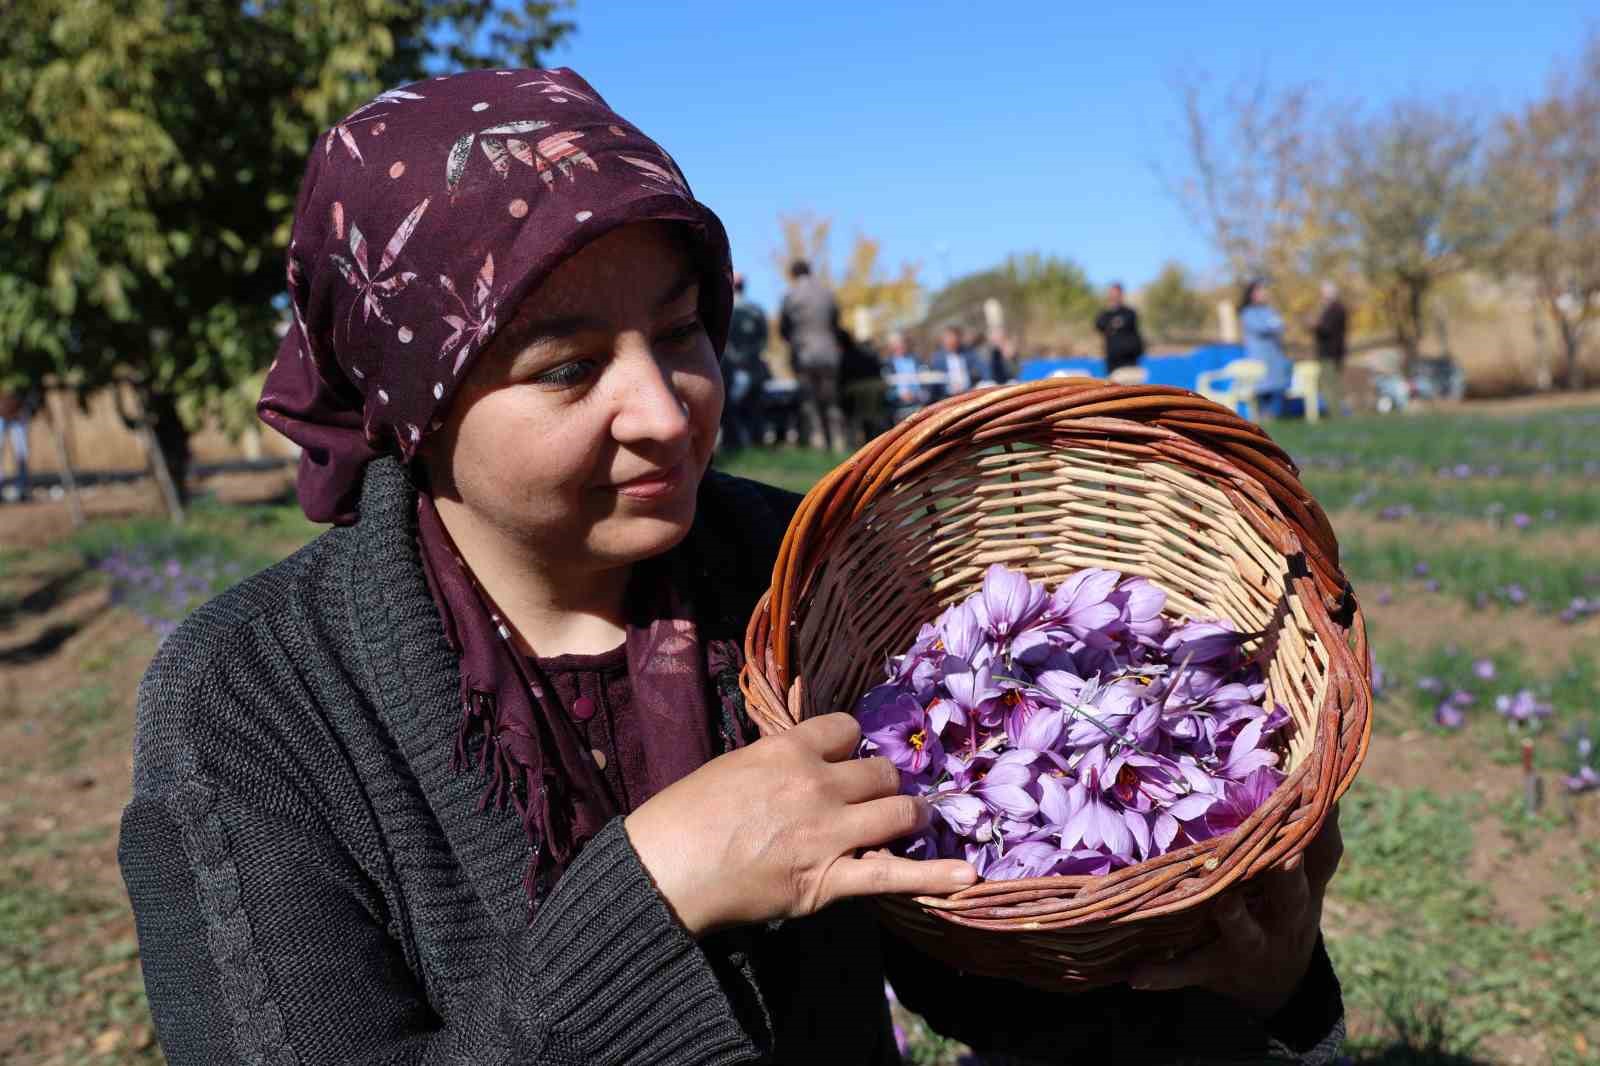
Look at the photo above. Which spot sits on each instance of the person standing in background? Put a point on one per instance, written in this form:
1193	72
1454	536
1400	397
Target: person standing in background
1119	325
744	373
960	373
904	366
809	323
861	383
1261	328
1330	330
16	408
1002	357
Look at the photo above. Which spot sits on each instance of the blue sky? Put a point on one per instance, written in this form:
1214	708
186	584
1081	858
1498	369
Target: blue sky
957	133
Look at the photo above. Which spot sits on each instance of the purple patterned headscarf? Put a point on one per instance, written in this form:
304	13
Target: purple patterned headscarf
424	218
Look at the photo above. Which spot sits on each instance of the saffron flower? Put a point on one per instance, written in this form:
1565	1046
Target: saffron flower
1074	730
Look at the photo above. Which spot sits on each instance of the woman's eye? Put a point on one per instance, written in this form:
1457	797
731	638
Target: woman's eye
567	375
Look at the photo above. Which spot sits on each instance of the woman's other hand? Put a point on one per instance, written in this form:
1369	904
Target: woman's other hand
1264	947
773	830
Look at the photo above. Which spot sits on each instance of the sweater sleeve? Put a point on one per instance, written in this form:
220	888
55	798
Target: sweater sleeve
1039	1027
261	942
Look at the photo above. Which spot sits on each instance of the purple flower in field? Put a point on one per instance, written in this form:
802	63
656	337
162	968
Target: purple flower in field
1429	683
1431	585
1462	698
1009	602
1395	512
1483	669
174	569
1522	706
1240	799
906	737
1449	715
1586	779
1421	569
1521	521
1516	594
1385	596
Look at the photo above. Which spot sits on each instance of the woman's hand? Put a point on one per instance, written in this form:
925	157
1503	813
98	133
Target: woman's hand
772	831
1265	946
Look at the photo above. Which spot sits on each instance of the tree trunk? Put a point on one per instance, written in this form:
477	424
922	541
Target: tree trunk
171	438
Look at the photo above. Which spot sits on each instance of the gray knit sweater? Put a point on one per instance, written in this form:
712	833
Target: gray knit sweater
313	883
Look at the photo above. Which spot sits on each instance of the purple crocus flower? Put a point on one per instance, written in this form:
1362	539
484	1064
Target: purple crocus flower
1245	756
1429	683
1005	786
1240	799
1097	820
905	737
1483	669
1521	521
1032	858
958	809
1585	780
1008	603
1523	706
1202	642
1081	603
1449	715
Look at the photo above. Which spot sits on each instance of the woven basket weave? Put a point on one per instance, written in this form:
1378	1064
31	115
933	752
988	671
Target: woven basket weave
1050	477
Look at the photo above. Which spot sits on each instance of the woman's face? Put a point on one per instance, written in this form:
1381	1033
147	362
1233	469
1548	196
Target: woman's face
583	432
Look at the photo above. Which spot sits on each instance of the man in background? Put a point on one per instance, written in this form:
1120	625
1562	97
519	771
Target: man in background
959	365
1119	325
809	323
744	373
1330	329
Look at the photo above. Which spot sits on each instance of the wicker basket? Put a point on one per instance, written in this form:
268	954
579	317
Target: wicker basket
1049	477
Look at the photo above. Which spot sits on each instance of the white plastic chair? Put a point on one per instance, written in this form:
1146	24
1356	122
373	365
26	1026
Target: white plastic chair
1241	377
1305	381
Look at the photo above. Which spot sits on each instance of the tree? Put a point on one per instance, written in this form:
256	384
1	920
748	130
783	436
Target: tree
1172	306
150	151
1040	293
1545	177
1253	178
1409	204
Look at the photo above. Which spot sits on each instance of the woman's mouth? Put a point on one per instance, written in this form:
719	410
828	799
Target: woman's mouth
653	485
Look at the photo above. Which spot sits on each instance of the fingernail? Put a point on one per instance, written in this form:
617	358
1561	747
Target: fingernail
964	877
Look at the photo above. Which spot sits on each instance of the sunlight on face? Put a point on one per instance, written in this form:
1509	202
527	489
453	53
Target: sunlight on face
583	432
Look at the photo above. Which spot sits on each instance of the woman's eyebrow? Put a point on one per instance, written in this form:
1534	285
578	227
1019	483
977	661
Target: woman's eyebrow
546	329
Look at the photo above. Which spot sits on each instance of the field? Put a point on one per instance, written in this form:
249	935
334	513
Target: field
1465	925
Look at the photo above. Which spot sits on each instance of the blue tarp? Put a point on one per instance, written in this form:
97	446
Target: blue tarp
1182	369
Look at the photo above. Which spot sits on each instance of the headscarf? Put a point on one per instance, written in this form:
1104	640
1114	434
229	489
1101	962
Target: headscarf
425	217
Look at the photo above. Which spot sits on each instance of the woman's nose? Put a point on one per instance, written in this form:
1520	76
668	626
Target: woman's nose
649	407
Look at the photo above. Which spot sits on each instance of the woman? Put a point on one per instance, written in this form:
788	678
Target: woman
1262	328
468	779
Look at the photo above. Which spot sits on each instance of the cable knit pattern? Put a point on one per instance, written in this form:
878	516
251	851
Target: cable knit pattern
257	1021
313	884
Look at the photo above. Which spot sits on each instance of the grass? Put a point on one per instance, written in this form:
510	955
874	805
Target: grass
1426	962
1480	574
